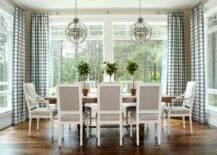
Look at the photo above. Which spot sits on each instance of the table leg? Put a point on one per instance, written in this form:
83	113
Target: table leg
141	132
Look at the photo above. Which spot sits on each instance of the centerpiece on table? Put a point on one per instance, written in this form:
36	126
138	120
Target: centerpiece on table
110	69
83	70
132	67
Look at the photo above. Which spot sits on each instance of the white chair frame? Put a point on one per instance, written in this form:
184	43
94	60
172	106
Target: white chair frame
62	123
137	121
189	114
37	101
99	112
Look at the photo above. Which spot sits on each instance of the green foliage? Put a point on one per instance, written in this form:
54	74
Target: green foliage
83	69
132	67
154	77
110	68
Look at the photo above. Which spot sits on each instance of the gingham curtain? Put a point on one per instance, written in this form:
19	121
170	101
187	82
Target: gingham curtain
176	78
39	51
198	61
18	103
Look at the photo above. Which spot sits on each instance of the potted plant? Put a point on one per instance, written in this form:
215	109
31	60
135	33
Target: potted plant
110	69
83	70
132	67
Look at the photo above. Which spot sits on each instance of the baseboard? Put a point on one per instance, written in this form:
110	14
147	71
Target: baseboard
5	119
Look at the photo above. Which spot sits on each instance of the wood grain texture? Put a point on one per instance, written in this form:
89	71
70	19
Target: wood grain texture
15	141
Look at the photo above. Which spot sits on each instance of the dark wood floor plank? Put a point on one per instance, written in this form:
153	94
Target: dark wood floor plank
14	141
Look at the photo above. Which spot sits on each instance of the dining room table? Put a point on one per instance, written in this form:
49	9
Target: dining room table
127	98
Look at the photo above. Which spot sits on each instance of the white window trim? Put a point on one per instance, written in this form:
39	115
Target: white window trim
206	32
9	34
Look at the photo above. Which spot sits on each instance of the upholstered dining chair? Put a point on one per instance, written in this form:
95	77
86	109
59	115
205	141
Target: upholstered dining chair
185	110
109	108
148	109
70	109
35	111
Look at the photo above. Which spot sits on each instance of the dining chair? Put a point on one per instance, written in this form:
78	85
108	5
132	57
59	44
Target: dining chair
109	108
185	110
70	109
148	109
36	111
87	108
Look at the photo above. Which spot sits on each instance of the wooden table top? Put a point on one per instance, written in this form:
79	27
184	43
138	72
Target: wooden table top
93	99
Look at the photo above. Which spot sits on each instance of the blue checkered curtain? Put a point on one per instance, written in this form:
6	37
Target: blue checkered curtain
176	78
198	61
18	102
39	42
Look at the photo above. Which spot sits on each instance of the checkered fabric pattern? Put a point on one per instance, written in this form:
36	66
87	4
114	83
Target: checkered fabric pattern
176	77
18	102
198	61
39	44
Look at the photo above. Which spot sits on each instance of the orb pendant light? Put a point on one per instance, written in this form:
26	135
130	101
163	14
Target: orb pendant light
140	31
76	32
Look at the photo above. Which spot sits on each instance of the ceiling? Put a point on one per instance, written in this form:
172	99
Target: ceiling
102	4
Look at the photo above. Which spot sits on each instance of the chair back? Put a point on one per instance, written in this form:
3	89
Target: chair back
190	94
30	95
148	102
69	102
109	102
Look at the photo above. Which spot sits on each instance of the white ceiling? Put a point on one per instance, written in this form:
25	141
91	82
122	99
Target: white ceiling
109	4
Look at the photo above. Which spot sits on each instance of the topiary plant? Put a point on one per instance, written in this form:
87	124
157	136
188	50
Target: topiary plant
110	69
132	67
83	70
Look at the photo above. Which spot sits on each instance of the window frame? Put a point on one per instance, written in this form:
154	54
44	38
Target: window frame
207	31
9	34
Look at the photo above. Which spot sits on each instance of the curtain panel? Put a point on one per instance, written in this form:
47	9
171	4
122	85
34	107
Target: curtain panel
198	61
176	72
39	42
18	102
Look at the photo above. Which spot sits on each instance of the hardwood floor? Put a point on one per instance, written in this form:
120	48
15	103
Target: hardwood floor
15	141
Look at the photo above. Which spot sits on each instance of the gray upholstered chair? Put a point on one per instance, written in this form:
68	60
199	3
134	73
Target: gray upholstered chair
148	109
35	111
109	108
185	110
70	109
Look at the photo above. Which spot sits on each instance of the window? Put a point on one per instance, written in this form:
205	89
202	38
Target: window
211	59
5	65
63	59
149	56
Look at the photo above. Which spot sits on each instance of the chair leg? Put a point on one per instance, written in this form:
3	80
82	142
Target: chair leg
137	134
81	134
155	127
51	119
30	126
168	125
90	117
69	126
162	120
191	126
147	126
37	126
60	136
183	121
98	136
159	133
62	131
131	132
121	132
88	129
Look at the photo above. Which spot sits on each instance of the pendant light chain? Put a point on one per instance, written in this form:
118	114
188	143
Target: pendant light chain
140	14
76	9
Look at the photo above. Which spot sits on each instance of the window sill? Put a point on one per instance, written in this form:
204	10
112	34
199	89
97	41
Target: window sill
5	110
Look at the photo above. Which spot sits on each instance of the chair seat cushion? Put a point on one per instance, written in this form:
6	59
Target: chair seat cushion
143	117
43	111
73	117
87	109
177	110
131	108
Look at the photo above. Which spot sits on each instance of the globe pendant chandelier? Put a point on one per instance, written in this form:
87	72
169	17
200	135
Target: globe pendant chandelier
76	32
140	31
